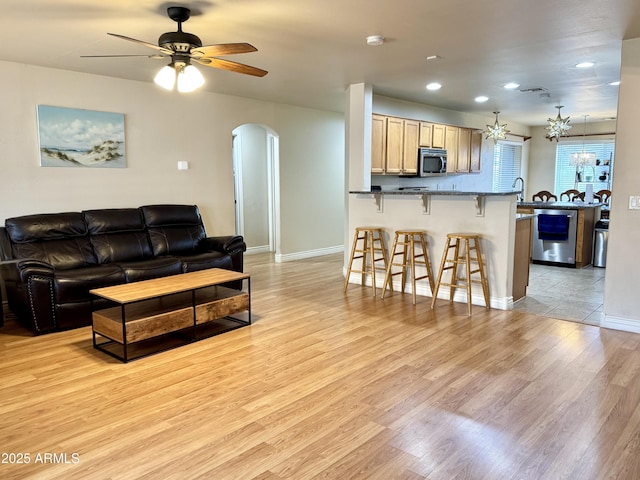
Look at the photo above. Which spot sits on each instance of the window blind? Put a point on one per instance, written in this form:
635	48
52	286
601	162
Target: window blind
566	173
507	160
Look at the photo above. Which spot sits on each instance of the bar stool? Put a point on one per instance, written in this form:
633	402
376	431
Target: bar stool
408	240
469	242
372	245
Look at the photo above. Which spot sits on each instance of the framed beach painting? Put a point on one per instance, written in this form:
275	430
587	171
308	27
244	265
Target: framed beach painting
72	137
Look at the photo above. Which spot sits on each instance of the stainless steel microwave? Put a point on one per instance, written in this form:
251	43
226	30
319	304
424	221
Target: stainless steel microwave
432	161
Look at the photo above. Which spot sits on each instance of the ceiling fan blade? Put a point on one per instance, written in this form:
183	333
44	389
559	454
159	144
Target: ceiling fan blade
232	66
155	56
223	49
146	44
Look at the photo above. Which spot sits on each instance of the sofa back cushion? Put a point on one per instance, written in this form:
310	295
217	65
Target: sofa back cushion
118	235
174	229
59	239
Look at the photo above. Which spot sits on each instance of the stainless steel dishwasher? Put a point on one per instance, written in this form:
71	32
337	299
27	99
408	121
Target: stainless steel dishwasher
554	237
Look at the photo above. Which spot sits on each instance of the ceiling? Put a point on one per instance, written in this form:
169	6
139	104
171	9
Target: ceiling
314	49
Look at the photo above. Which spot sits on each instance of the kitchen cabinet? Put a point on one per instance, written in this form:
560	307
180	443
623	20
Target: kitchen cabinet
438	136
411	142
451	145
464	150
395	142
426	134
431	135
395	147
378	143
522	255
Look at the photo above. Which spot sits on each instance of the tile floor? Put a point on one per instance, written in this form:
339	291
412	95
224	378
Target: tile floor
565	293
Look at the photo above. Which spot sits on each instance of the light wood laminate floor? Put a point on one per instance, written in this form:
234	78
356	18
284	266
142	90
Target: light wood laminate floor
334	386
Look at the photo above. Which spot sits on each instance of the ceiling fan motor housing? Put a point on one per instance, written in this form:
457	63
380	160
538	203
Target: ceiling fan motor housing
179	41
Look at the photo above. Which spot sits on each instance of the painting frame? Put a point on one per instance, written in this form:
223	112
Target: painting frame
79	138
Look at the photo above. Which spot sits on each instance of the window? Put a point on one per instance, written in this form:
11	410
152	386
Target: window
599	175
507	158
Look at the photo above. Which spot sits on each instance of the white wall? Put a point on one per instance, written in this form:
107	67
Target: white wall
162	128
622	278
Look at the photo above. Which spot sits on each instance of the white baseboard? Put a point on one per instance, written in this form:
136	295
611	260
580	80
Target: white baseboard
255	250
618	323
308	254
422	288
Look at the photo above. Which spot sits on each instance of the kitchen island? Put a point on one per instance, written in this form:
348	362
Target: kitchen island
491	215
581	241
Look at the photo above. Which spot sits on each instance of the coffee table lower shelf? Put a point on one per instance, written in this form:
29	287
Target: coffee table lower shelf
137	329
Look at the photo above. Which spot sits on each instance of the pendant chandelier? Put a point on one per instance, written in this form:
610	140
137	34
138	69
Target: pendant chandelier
558	127
496	131
583	159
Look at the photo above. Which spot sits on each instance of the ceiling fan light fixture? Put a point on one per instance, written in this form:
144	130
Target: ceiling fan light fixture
189	79
166	77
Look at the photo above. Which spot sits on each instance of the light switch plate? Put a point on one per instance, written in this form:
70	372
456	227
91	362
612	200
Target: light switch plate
182	165
634	202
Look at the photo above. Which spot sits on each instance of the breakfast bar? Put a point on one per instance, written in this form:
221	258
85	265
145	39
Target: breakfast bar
489	214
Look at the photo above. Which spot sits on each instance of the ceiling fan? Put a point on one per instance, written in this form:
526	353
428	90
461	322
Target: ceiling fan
184	48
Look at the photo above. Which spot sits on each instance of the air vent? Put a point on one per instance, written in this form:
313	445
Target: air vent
533	90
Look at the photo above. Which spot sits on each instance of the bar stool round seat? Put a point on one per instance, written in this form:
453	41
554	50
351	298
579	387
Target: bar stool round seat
368	246
404	245
467	253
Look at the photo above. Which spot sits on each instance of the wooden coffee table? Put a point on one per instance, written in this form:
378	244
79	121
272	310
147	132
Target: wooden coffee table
163	313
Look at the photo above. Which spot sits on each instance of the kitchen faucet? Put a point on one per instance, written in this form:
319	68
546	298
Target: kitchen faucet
521	194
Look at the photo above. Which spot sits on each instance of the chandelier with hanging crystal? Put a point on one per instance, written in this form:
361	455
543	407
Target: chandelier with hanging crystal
496	131
558	127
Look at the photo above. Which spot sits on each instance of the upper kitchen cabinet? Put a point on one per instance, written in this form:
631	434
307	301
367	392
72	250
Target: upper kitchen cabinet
451	136
396	141
432	135
378	144
469	150
394	149
410	144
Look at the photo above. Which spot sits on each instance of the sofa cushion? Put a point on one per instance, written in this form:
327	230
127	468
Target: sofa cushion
74	285
59	239
118	235
201	261
151	268
174	229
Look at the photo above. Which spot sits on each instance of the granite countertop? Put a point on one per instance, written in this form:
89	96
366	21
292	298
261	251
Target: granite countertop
560	205
424	191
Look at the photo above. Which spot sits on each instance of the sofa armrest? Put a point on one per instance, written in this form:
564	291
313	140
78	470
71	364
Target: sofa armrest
21	270
227	244
30	293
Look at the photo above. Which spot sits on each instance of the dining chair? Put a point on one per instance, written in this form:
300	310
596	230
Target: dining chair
604	195
569	194
544	196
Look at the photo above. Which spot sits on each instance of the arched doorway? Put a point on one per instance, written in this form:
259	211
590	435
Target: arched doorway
255	168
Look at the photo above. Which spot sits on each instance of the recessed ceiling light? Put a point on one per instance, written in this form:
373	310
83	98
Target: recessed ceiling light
585	65
511	85
375	40
615	84
481	99
434	57
434	86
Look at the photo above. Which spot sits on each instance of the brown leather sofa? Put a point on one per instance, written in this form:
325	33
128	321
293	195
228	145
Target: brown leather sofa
51	261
